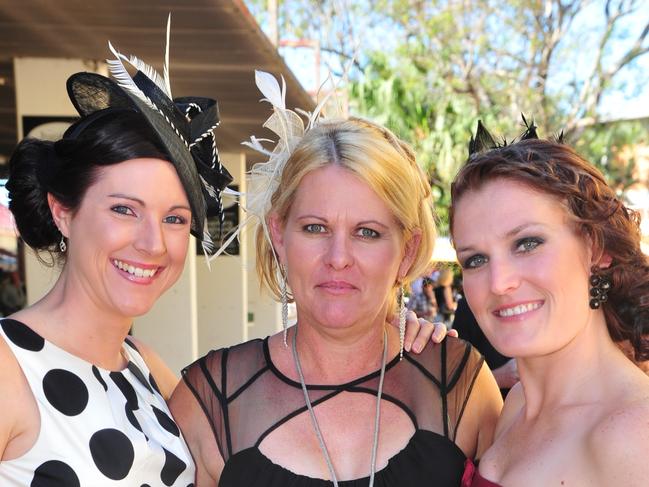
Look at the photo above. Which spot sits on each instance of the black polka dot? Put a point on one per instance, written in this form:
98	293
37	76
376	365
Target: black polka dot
172	469
65	391
139	376
154	384
126	388
112	453
23	336
98	376
54	474
165	421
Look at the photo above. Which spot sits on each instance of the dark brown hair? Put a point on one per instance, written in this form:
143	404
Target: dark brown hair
599	215
67	168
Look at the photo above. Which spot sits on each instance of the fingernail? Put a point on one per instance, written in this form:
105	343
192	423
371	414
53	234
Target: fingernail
417	348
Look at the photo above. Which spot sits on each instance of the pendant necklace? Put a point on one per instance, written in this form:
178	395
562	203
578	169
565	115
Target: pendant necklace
314	420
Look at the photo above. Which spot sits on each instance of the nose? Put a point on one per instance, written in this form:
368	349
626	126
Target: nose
503	275
150	238
339	252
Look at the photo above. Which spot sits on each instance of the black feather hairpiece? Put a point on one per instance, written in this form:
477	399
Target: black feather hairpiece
483	141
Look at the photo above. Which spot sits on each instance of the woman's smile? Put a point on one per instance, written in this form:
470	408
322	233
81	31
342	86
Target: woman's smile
137	272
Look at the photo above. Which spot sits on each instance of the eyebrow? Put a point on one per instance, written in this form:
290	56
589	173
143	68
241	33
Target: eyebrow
363	222
520	228
514	231
142	203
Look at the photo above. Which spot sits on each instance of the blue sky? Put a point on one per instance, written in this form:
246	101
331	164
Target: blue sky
629	98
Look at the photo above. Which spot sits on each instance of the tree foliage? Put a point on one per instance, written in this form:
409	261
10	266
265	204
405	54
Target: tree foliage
428	70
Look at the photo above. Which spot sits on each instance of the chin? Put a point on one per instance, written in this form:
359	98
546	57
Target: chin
337	318
134	309
519	347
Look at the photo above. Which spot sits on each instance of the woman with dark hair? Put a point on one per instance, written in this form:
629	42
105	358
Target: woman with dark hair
82	404
555	276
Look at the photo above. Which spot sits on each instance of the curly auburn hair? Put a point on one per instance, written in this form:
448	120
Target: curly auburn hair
598	214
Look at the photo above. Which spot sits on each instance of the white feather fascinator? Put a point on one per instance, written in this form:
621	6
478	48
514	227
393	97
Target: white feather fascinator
263	179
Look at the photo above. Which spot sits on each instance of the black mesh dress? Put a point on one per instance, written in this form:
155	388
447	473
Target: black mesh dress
245	398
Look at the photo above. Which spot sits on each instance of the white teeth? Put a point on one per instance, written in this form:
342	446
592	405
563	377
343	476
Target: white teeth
136	271
520	309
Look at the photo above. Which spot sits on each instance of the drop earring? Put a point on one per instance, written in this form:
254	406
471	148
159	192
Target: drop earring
284	297
402	320
599	288
63	247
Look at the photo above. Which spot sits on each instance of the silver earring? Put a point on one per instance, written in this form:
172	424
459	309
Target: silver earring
402	321
62	245
284	304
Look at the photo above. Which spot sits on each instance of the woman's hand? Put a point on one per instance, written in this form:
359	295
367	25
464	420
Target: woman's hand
419	331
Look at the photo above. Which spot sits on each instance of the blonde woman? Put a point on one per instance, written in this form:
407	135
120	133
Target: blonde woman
351	221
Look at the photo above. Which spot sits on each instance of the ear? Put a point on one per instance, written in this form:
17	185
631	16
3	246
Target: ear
62	216
604	261
598	257
410	252
276	229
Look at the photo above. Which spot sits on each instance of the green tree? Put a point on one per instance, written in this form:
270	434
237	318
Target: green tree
428	70
436	123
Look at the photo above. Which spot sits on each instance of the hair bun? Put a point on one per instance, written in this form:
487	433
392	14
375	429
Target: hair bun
30	170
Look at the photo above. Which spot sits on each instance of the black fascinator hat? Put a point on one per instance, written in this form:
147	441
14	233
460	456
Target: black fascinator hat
184	127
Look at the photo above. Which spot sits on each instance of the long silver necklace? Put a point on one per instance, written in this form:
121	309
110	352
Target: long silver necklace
314	420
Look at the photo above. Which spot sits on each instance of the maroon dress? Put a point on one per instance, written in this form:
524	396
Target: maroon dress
472	477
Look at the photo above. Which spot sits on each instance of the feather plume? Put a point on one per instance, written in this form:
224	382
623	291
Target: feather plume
482	141
165	69
269	87
124	79
209	188
530	129
263	179
207	244
144	68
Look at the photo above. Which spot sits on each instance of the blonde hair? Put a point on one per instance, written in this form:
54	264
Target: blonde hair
378	158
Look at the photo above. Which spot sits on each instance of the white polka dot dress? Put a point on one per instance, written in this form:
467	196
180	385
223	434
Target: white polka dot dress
98	428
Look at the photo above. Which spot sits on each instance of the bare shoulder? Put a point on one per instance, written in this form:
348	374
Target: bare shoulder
619	441
198	434
19	418
476	432
163	375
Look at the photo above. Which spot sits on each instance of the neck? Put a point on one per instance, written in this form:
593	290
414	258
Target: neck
584	371
67	317
336	357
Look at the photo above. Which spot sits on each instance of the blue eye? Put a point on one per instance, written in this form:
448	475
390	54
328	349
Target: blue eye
175	219
475	261
122	209
367	233
528	244
314	228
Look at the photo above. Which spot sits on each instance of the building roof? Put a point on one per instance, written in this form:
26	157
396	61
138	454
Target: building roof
215	46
